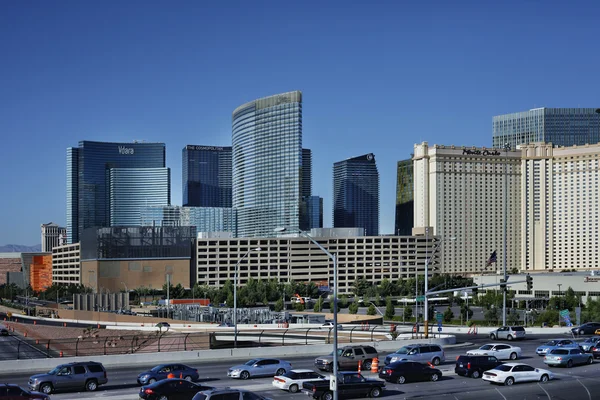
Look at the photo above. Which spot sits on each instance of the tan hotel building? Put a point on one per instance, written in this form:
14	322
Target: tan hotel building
552	209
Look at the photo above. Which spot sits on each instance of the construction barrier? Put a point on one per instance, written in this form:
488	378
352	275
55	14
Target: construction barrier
472	330
375	366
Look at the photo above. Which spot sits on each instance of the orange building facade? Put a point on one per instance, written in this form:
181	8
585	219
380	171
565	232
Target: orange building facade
40	272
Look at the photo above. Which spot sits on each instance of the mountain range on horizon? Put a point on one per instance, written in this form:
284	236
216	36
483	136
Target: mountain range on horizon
20	248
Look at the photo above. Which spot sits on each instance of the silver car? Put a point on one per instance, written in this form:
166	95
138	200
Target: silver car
259	367
568	357
422	353
588	343
508	333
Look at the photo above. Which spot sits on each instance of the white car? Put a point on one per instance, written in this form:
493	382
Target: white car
510	373
329	325
498	350
292	381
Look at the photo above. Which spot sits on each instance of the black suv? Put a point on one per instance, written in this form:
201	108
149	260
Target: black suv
79	375
474	366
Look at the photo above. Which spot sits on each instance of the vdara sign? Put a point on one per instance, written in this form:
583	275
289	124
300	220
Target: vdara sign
481	152
591	279
125	150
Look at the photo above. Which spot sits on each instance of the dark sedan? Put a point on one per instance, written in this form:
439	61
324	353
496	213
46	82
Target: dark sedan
589	328
409	371
163	371
171	389
9	391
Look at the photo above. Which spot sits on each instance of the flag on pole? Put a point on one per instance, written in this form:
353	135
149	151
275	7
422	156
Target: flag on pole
492	259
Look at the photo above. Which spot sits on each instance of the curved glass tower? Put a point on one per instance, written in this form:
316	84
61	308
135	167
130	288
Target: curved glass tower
267	164
88	168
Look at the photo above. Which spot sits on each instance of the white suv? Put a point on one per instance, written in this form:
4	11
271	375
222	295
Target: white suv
508	333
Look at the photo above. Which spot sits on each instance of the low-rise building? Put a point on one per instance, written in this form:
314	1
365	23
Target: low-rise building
284	259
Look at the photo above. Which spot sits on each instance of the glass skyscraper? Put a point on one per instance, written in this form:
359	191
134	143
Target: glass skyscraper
405	201
267	164
559	126
206	176
205	219
315	212
88	168
131	189
356	194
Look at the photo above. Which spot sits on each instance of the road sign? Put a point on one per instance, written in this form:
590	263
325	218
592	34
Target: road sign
564	313
439	316
420	298
333	383
439	328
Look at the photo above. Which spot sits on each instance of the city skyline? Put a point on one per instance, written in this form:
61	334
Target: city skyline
382	78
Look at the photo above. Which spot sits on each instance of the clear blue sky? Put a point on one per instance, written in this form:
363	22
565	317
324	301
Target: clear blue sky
376	77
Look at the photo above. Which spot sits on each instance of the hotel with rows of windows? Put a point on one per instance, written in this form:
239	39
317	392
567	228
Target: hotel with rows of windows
551	211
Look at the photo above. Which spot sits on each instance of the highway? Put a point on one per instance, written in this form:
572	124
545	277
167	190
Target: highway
575	383
12	345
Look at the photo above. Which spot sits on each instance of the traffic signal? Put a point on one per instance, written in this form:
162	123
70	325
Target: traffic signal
529	282
474	291
503	284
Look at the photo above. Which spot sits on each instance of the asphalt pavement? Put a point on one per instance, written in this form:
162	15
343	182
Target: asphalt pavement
573	384
12	346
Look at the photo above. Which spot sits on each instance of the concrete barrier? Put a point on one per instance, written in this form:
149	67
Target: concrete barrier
127	360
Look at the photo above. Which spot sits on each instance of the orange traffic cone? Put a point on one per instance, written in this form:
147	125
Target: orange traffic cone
359	367
375	366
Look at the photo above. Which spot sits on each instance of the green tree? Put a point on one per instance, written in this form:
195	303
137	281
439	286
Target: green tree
299	307
389	309
466	312
408	312
448	315
513	317
353	308
491	316
343	301
332	304
371	310
318	305
278	305
360	287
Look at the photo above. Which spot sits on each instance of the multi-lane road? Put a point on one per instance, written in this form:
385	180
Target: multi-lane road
573	384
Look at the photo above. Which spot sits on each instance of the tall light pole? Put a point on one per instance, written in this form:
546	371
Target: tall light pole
506	148
335	310
235	277
427	261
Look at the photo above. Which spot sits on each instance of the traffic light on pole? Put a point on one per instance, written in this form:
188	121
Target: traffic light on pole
529	282
503	285
474	291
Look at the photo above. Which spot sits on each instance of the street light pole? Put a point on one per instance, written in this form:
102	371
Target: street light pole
506	148
235	278
126	291
335	310
427	261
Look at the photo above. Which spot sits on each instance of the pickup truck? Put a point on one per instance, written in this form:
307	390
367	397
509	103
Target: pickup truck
349	384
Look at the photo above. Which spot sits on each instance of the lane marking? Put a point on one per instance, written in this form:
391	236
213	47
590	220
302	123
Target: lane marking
547	394
500	393
586	389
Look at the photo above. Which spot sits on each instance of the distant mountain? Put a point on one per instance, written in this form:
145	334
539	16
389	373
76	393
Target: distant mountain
19	248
